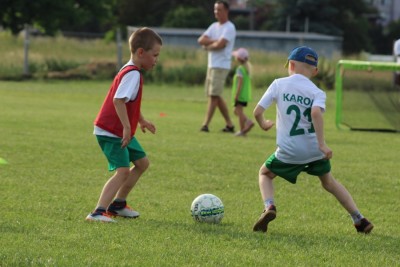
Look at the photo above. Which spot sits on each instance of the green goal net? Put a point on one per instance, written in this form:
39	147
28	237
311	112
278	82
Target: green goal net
368	95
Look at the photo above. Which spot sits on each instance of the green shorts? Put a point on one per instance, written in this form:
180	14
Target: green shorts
290	171
120	157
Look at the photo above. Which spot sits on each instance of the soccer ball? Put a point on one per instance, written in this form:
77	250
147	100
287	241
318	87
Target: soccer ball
207	208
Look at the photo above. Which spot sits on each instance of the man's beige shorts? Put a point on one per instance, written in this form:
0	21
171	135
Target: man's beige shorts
215	81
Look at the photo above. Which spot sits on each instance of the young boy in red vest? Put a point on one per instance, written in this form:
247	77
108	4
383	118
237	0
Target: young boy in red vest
115	127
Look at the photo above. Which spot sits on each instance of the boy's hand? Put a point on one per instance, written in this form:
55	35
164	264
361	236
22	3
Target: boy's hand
267	124
147	125
327	151
126	138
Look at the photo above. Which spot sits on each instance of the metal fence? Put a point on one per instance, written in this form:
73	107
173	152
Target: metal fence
282	42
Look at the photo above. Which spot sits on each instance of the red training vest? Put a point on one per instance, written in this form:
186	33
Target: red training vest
107	118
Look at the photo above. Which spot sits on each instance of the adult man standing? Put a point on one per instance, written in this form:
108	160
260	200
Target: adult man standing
396	50
218	40
396	53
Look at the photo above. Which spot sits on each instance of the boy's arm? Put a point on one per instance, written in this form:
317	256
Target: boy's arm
318	122
119	104
259	116
145	124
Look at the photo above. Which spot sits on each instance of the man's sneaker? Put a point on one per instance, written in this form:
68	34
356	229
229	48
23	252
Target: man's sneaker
267	216
364	226
228	129
121	209
204	128
99	216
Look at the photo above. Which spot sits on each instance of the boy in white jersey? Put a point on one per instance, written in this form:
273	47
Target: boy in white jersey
300	137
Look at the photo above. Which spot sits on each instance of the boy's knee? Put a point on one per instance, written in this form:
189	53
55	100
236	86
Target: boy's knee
123	171
327	181
264	171
142	164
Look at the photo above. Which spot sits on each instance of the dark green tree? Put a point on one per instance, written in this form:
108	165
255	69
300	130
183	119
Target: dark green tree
353	22
154	13
91	16
391	34
334	17
186	17
50	16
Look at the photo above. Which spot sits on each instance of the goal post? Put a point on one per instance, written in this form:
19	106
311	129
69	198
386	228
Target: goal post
367	95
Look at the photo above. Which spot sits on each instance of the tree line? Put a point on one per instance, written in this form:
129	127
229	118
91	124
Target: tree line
355	20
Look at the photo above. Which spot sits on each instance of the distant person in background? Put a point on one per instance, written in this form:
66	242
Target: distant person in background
218	40
241	90
396	53
396	50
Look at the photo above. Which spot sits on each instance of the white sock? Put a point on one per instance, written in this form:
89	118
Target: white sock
268	202
356	217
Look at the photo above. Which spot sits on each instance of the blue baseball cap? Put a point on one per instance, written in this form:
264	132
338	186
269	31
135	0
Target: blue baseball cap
303	54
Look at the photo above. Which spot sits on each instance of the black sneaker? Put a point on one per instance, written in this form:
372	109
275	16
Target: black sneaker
228	129
364	226
267	216
204	128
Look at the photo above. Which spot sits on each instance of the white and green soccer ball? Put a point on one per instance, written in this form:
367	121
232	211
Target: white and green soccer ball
207	208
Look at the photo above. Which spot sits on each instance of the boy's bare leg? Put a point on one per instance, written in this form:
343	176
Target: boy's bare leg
140	167
265	182
267	194
343	196
112	186
330	184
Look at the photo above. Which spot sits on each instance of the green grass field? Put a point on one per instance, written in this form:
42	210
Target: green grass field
56	172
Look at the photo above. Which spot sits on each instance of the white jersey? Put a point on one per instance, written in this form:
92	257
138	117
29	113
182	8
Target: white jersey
221	58
294	97
127	89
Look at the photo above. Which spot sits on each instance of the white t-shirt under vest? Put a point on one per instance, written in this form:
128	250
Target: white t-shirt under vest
127	89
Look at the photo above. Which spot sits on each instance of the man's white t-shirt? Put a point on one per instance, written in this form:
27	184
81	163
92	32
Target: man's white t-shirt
221	58
127	89
295	137
396	50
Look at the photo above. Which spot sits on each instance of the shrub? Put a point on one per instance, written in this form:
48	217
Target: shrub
52	64
325	78
186	74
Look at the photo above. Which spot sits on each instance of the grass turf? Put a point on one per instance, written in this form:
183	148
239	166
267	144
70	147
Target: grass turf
55	173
